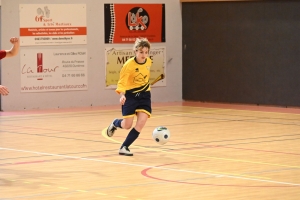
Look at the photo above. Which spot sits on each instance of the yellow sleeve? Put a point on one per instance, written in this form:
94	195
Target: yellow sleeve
122	83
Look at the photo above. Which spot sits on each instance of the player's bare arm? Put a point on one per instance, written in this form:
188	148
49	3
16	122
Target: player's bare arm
122	98
14	49
3	90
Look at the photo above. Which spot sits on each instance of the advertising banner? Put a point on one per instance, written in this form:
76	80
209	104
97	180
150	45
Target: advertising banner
125	22
53	70
52	24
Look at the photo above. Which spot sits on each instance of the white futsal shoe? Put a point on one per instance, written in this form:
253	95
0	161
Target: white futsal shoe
125	151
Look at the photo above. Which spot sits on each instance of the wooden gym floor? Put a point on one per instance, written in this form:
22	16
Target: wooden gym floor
216	152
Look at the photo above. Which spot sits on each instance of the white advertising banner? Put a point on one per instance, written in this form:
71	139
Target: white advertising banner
52	24
116	57
53	70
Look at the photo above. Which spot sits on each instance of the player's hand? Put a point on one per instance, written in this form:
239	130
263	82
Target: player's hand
3	90
14	40
122	99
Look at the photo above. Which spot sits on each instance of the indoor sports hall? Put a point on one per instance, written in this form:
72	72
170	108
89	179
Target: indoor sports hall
225	85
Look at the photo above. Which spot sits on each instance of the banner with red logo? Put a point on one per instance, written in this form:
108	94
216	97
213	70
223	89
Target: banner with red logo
125	22
52	24
53	70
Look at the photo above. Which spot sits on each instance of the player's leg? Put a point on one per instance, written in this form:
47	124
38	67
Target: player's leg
142	118
143	112
128	112
134	133
125	123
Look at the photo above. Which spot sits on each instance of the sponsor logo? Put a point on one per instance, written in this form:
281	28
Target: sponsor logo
137	19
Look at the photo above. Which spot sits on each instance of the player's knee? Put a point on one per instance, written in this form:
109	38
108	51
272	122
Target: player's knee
127	126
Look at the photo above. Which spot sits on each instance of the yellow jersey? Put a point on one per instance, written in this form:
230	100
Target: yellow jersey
134	76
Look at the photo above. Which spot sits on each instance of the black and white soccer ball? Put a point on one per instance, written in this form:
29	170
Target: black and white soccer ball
161	135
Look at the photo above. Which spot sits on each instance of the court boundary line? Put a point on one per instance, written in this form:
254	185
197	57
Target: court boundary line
154	167
191	155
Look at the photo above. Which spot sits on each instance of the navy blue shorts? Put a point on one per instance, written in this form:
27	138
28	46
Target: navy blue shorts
137	102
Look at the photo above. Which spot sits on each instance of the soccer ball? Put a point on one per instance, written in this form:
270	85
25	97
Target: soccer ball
161	135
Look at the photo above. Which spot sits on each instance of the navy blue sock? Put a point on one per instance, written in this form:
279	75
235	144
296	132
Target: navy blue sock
131	137
117	123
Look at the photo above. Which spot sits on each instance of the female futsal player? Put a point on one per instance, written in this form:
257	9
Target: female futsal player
135	98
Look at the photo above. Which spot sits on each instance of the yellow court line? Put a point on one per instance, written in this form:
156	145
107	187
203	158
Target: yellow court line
65	113
82	191
55	113
199	156
100	193
63	188
230	109
93	111
121	197
241	110
45	185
